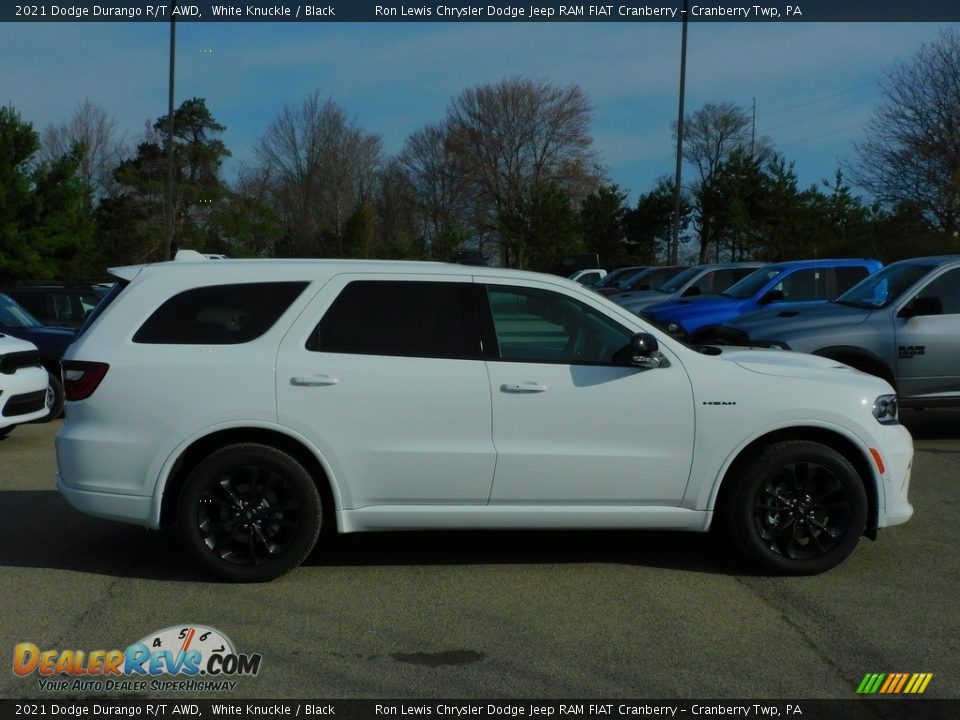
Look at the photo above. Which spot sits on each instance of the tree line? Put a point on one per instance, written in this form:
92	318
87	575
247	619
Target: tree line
509	171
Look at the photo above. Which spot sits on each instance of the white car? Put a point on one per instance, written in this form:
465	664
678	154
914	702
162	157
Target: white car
23	384
588	276
254	403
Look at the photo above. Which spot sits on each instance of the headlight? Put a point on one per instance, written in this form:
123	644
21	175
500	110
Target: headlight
885	409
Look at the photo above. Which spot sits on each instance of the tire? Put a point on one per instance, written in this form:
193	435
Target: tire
798	509
249	513
55	397
4	431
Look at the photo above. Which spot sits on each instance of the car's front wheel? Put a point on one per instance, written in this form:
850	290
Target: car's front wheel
55	397
249	513
799	508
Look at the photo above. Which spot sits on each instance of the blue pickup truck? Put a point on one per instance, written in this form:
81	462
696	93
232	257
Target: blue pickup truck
797	283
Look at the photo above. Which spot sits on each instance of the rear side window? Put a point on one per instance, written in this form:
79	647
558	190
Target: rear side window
847	277
400	318
219	314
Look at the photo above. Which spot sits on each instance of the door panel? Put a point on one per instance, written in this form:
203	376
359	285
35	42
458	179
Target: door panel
928	353
570	426
397	428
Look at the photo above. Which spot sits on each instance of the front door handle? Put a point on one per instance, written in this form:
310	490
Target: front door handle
311	380
526	387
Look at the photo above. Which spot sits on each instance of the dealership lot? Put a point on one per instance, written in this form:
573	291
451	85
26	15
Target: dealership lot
532	615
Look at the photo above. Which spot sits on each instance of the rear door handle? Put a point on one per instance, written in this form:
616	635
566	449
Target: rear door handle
311	380
526	387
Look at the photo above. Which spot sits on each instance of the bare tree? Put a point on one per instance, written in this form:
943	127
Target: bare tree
711	137
430	163
514	139
319	167
912	153
91	133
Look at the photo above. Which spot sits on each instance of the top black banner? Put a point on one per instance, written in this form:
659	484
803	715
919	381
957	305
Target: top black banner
319	11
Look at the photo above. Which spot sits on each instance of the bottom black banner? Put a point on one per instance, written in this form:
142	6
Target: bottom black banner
108	709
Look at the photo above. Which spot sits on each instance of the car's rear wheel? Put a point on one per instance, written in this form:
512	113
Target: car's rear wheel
249	513
798	509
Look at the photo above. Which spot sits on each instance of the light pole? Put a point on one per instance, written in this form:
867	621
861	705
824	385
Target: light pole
169	210
675	242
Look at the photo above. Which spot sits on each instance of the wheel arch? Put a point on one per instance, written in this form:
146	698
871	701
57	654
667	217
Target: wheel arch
849	449
207	444
861	359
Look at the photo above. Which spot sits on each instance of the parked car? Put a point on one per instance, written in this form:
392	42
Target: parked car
708	279
901	324
51	343
252	404
786	285
23	384
589	276
57	304
613	278
643	279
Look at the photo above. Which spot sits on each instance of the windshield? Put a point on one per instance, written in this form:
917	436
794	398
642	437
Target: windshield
13	315
614	278
753	283
677	283
884	287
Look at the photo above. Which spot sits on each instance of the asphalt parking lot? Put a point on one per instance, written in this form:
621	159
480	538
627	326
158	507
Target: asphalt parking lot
510	615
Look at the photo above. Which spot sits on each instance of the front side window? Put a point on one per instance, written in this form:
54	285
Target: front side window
400	318
533	325
219	314
947	289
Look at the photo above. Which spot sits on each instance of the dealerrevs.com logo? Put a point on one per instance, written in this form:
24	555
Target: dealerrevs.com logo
206	657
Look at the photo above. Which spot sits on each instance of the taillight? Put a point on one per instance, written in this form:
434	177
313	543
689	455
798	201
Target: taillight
81	378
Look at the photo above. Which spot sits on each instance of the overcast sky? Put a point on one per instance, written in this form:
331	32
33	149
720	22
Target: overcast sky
815	84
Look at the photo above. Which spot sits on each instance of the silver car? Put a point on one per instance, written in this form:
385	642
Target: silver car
708	279
901	323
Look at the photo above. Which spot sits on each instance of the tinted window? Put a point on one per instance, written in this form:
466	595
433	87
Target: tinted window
533	325
801	285
219	314
947	288
413	319
847	277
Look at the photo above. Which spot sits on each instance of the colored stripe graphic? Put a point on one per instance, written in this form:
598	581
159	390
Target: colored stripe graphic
894	683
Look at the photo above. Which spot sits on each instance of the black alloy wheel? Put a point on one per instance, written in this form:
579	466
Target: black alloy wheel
249	513
799	509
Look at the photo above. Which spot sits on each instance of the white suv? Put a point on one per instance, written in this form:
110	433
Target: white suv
252	403
23	384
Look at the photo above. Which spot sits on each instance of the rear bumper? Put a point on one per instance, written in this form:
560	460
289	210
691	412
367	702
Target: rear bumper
125	508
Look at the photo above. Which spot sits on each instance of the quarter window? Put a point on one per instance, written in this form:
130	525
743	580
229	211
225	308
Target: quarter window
405	318
219	314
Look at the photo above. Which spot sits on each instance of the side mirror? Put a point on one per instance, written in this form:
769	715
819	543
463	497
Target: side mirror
922	306
645	351
771	296
691	291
